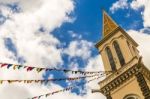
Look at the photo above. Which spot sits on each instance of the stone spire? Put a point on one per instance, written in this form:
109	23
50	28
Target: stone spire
108	24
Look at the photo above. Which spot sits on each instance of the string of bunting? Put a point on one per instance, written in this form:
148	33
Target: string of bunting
47	80
40	69
65	89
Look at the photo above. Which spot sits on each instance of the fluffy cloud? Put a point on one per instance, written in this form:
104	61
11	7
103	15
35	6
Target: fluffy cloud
95	63
27	91
143	40
30	33
79	48
35	46
137	4
120	4
22	28
140	36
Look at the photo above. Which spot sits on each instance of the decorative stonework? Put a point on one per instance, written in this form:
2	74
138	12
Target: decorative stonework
108	24
143	85
128	79
139	71
122	70
145	72
108	96
119	80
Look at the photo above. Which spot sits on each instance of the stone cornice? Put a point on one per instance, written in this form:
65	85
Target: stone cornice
112	33
143	85
145	71
120	79
118	72
129	72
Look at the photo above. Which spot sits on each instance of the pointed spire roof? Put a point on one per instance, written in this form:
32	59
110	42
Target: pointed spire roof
108	24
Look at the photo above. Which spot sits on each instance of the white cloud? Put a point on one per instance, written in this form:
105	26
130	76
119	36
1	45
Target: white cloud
23	91
23	27
39	48
120	4
137	4
79	48
36	47
95	64
143	40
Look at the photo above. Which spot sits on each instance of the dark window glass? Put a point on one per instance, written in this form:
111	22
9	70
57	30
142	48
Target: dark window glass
119	53
111	60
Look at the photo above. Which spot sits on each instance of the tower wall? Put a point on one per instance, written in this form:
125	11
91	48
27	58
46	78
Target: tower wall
128	88
127	51
120	55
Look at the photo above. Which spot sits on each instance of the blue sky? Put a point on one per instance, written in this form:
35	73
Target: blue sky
63	34
88	24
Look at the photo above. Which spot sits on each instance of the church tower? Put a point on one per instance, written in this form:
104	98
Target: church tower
129	78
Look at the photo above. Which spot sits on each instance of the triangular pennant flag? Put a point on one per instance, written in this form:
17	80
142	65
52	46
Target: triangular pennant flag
66	70
19	66
9	65
35	97
76	72
19	80
1	81
40	96
47	95
9	81
25	81
14	67
2	65
39	69
42	81
30	68
25	66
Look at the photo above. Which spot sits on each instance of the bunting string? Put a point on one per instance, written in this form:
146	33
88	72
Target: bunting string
40	69
47	80
65	89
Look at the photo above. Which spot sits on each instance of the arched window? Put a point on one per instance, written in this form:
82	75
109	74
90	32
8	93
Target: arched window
119	53
110	57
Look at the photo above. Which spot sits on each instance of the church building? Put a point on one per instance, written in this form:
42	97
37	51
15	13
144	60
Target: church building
129	79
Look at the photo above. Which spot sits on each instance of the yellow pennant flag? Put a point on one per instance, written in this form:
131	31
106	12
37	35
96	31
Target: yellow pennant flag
39	69
1	81
14	67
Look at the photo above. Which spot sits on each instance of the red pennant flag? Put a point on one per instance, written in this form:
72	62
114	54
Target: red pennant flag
35	98
4	65
30	68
